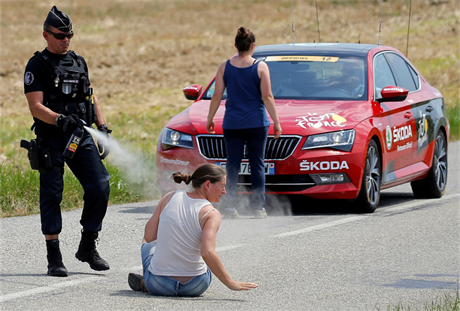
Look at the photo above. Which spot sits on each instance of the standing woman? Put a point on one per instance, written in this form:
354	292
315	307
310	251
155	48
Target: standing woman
179	249
245	120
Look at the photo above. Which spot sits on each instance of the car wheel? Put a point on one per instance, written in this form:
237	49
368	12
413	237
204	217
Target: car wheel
434	184
369	195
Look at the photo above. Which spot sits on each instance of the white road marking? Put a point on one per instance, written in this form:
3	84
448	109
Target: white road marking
321	226
397	208
49	288
404	206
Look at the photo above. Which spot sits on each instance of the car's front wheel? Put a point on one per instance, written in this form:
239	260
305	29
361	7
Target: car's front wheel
369	195
434	184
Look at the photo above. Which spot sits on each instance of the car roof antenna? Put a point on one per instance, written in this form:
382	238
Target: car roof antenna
293	24
317	22
408	29
381	18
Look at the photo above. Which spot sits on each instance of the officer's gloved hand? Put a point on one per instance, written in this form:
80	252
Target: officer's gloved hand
68	123
104	144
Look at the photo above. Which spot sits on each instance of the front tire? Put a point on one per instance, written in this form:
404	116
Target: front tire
434	184
369	195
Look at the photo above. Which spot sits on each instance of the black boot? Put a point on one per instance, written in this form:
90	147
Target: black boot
55	265
87	251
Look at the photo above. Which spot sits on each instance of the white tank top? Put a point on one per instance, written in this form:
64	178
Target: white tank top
178	251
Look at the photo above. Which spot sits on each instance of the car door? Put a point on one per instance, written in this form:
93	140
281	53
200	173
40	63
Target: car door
421	108
396	125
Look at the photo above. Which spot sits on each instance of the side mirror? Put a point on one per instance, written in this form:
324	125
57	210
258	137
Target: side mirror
192	92
393	94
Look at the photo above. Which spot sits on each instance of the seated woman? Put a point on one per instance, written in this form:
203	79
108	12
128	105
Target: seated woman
179	249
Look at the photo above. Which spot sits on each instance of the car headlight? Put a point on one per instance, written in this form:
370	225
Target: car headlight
171	139
341	140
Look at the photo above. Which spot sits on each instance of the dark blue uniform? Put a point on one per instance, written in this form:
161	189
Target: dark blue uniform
64	81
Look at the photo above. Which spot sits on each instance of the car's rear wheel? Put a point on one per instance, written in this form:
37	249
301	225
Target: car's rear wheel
434	184
369	195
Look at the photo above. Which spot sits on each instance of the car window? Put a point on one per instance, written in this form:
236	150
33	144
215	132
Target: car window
414	76
210	91
404	78
315	77
382	75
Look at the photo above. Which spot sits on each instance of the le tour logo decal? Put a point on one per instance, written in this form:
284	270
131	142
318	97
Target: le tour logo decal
422	131
320	120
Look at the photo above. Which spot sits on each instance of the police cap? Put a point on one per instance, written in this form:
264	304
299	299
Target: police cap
58	20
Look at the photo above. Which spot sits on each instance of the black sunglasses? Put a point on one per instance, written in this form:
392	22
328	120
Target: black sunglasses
61	36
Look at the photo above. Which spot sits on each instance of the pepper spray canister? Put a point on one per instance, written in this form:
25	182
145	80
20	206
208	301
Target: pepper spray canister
73	143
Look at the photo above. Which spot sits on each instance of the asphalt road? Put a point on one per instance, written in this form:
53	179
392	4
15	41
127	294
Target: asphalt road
326	258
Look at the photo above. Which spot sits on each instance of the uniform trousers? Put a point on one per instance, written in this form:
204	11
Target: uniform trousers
88	168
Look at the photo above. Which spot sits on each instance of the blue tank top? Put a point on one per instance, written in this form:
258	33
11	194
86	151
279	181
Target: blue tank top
244	107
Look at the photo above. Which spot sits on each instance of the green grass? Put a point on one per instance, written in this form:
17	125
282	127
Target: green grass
448	302
20	190
131	181
453	114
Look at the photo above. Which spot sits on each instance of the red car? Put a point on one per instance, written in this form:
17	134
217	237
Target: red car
356	119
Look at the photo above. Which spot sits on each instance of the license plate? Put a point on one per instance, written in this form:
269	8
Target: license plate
245	169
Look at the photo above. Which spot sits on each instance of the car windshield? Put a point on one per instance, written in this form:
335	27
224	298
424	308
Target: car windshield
314	77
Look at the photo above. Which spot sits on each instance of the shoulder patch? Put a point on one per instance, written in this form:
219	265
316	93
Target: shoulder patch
28	78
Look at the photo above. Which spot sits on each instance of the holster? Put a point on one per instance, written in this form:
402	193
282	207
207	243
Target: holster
38	157
33	152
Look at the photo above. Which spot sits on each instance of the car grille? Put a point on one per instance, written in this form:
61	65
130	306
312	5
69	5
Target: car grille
212	147
279	183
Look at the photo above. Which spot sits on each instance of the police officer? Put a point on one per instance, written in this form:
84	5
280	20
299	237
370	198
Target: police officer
59	95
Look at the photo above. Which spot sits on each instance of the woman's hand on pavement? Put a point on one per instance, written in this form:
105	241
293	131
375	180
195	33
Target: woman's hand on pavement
235	285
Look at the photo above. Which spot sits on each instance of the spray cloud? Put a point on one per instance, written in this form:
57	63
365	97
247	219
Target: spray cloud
135	167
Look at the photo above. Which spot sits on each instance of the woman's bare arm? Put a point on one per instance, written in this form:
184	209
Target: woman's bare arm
216	98
208	252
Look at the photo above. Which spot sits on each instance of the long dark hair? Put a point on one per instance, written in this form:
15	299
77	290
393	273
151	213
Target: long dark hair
204	172
244	38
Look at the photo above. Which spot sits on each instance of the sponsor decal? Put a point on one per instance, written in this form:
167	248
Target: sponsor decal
408	145
389	137
28	78
305	165
302	58
422	135
320	120
398	134
174	161
402	133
